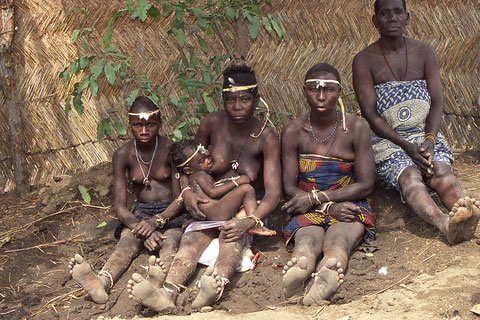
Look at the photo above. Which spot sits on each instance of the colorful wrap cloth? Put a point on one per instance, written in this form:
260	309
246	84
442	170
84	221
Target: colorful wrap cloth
145	210
324	173
404	105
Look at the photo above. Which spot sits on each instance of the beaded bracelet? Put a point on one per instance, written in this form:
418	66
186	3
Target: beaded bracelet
160	220
431	136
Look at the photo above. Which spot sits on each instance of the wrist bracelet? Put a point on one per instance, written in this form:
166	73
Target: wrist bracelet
325	195
179	199
160	220
430	136
235	183
310	199
315	196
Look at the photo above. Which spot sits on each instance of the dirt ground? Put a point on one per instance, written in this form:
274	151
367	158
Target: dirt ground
42	230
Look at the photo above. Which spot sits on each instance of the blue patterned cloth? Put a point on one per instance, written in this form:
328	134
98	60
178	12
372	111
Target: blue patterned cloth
404	105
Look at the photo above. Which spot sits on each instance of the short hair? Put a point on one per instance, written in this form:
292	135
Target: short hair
176	154
377	6
322	67
143	103
241	75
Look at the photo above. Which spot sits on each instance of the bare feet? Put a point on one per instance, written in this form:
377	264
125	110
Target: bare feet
211	288
470	226
84	275
327	281
262	231
143	292
462	223
294	276
157	271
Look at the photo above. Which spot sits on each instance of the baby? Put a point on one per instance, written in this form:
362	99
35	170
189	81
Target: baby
226	196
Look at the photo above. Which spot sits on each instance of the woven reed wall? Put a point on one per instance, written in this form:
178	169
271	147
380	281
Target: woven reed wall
319	30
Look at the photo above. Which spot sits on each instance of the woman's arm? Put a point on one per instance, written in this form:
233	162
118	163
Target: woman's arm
364	89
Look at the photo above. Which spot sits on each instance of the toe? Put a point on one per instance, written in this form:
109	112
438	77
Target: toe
137	277
331	263
294	260
152	260
461	202
209	271
290	263
303	262
79	258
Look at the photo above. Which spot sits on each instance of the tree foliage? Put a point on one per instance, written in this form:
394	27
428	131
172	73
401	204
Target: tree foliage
194	24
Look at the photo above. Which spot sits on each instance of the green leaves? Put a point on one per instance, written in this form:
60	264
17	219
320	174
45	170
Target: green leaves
154	12
253	29
142	9
96	69
107	38
84	193
93	87
131	98
267	24
180	34
110	72
101	225
208	101
276	24
119	127
102	128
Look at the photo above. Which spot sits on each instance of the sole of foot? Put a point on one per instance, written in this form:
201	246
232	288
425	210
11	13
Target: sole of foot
143	292
83	274
294	275
459	218
156	271
326	283
211	288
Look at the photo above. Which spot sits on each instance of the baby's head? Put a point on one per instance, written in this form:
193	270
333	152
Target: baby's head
189	156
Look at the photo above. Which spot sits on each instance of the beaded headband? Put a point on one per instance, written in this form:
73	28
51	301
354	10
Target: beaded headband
322	82
239	88
144	115
200	149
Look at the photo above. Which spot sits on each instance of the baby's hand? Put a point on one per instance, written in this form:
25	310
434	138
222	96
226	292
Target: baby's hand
243	180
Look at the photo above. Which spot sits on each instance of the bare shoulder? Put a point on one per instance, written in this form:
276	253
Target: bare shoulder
356	124
421	47
214	117
294	127
363	55
123	151
268	135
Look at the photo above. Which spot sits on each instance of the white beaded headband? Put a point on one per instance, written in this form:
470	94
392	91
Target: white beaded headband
239	88
144	115
322	82
200	149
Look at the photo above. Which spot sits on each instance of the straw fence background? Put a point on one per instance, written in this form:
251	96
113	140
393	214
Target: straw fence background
319	30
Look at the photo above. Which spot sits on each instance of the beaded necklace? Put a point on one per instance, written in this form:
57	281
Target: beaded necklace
146	182
331	133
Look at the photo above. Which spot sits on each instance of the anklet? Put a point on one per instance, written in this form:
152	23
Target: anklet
224	281
106	273
178	287
258	221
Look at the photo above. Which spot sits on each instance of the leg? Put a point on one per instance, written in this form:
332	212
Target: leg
97	287
308	246
340	240
215	278
416	195
226	207
183	266
450	192
158	267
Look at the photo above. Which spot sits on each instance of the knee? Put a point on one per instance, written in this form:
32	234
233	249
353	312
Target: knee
443	178
247	188
410	181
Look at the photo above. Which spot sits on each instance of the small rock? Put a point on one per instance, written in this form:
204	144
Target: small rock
206	309
478	241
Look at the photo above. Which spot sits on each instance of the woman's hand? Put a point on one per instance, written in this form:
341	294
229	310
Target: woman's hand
191	201
344	211
427	150
144	228
415	153
301	203
235	229
243	180
154	242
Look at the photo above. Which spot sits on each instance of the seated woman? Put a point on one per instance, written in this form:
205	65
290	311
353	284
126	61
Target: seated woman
154	189
328	172
240	145
225	197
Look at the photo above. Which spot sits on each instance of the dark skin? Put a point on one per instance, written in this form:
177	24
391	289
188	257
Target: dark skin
224	200
226	133
137	232
370	69
339	240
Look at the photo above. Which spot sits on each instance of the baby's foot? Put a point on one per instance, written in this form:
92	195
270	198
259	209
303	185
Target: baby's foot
327	281
294	276
143	292
262	231
456	221
83	274
211	288
157	271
